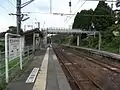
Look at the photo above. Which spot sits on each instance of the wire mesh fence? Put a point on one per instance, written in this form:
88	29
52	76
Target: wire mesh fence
14	65
2	69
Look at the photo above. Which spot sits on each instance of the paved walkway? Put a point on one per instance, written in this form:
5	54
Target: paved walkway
50	75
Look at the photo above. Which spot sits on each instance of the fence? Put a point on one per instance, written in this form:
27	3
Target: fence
2	66
14	65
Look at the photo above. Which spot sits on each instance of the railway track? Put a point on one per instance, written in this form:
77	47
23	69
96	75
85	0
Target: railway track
110	69
76	75
99	62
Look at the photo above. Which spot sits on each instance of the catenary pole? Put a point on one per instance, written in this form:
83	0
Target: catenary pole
18	16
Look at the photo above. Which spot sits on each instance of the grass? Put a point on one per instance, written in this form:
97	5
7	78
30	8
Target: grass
15	71
13	62
111	49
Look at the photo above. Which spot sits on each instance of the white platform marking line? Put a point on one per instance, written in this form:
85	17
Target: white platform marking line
32	75
40	83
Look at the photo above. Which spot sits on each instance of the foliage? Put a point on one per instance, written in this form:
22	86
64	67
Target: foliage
109	41
103	19
73	40
2	45
81	21
61	39
85	18
13	29
101	23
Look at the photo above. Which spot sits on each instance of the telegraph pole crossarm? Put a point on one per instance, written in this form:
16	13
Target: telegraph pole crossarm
26	3
19	15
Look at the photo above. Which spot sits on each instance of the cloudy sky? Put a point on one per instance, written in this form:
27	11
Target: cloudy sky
40	10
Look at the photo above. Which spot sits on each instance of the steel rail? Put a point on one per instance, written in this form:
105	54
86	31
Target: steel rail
98	86
61	59
100	63
94	83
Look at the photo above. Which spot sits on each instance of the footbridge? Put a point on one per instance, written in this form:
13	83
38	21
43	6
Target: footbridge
68	31
71	31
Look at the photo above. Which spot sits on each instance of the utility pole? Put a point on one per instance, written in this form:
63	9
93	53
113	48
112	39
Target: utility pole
18	16
50	6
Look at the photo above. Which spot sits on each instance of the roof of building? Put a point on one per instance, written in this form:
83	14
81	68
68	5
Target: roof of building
28	32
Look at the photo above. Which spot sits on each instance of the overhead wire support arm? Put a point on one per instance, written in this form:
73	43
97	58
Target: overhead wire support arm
26	3
19	15
11	3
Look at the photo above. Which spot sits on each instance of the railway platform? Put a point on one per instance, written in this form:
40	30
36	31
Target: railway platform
64	68
43	73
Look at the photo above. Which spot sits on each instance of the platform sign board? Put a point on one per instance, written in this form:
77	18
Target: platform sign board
14	48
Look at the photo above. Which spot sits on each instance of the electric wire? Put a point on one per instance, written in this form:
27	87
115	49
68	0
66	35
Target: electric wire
4	8
11	3
76	4
75	12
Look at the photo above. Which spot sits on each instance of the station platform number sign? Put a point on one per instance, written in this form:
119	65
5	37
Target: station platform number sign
14	48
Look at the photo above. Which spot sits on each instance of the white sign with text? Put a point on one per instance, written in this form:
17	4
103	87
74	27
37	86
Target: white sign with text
14	48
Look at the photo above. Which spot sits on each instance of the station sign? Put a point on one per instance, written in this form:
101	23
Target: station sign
14	48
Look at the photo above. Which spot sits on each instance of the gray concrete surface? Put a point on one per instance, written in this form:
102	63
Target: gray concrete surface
52	83
62	80
19	83
56	79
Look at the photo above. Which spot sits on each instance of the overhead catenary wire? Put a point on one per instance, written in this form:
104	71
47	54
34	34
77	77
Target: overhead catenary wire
76	4
62	14
26	3
104	0
35	12
4	8
74	8
52	13
89	15
11	3
76	11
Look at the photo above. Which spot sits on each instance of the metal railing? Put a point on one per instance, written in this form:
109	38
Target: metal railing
14	65
2	65
97	52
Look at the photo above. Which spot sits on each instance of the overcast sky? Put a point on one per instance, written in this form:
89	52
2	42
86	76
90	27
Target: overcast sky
42	6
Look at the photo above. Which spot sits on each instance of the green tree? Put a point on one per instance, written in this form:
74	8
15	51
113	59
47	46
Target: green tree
102	22
13	29
83	19
102	17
